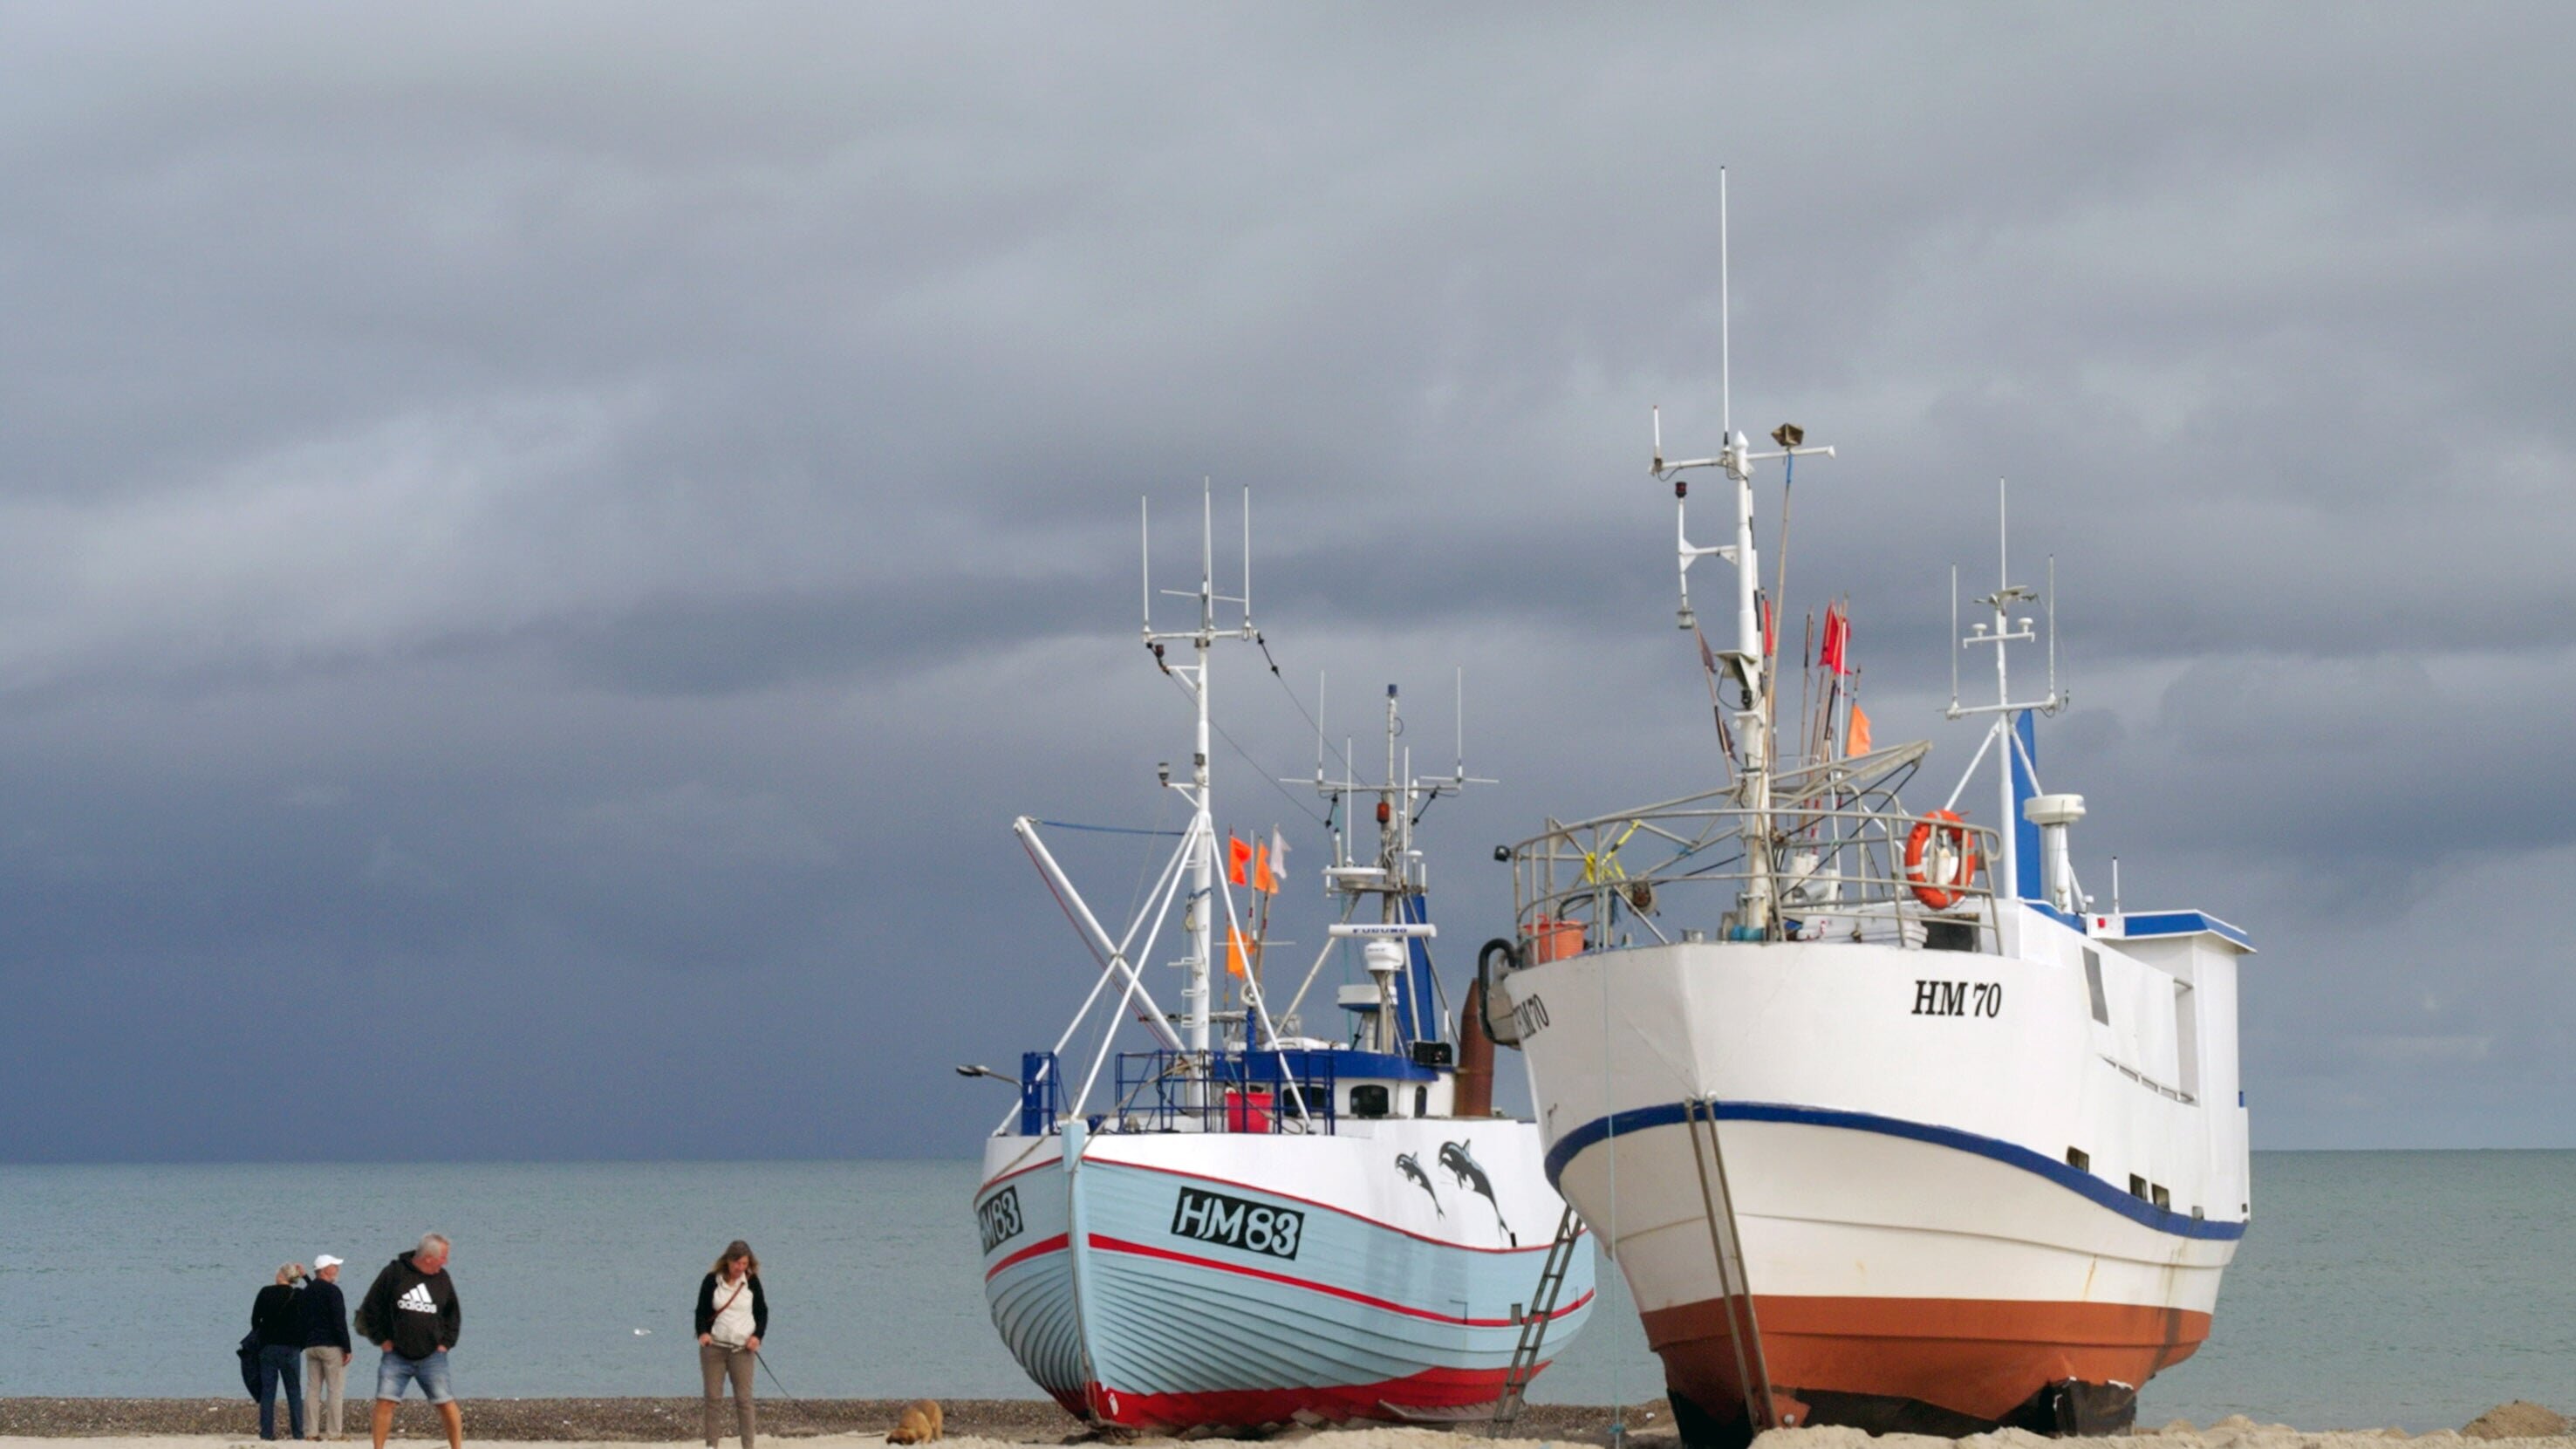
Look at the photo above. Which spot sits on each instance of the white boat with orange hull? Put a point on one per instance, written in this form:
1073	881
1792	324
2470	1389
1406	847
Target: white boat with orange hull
1885	1122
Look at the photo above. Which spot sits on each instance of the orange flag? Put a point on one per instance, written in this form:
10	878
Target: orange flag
1237	856
1859	733
1234	951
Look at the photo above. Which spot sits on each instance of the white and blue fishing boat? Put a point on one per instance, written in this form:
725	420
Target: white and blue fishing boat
1206	1218
1889	1123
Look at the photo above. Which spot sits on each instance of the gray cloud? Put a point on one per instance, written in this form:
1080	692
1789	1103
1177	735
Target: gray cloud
580	527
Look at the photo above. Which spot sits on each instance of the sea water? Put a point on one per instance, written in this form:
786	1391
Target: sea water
2376	1288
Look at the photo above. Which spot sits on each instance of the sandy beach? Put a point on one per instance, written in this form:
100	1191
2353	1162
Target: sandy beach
1013	1424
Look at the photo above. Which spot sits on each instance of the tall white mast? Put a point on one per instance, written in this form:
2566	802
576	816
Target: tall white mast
1199	922
1748	664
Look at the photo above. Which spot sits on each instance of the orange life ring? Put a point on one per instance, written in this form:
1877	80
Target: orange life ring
1950	887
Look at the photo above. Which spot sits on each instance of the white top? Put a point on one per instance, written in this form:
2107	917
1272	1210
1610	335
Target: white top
733	1325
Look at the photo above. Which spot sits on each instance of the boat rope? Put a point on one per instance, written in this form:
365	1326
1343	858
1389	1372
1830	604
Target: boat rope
1108	829
1600	866
1610	1243
1302	807
1300	705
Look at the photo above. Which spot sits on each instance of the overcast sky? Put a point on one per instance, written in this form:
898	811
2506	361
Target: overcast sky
541	548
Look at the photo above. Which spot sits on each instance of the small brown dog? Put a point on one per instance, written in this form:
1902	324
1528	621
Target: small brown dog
919	1425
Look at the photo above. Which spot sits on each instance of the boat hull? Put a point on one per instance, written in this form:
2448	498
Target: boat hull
1249	1279
1920	1250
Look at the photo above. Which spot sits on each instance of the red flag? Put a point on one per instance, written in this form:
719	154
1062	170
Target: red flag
1269	863
1834	650
1237	856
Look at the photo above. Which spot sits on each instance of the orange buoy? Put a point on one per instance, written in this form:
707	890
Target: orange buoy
1942	883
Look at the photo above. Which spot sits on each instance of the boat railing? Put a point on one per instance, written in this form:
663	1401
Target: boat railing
1176	1091
1041	1093
1687	870
1241	1091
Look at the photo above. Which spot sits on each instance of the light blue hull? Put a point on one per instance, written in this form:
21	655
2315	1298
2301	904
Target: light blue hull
1344	1290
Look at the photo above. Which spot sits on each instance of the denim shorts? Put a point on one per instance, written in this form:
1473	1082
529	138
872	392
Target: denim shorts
394	1372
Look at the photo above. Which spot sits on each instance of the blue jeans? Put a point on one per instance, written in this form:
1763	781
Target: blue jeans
394	1373
281	1364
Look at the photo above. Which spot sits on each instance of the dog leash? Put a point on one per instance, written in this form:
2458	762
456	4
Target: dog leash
763	1360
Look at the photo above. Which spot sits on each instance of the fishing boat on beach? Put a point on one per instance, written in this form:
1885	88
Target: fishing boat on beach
1232	1223
1886	1122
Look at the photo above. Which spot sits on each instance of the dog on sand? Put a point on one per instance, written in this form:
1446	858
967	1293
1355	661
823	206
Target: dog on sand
919	1425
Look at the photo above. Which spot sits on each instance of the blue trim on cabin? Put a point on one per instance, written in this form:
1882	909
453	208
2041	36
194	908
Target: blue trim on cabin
2078	924
2182	923
2085	1184
2023	761
1343	1063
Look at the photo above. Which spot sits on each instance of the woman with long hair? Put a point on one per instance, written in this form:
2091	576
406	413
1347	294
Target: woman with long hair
733	1316
277	1320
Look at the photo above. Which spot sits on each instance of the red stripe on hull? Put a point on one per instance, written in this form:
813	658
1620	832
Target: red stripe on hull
1440	1389
1979	1357
1143	1250
1040	1248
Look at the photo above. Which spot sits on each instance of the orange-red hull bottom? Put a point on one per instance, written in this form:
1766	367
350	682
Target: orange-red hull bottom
1837	1359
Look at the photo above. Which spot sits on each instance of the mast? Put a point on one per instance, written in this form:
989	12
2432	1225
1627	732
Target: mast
2005	739
1199	921
2007	839
1410	1011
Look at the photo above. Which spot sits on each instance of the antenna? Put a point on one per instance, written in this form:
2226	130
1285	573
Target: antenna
1725	330
1145	556
1319	729
1955	645
1247	558
1461	695
2059	699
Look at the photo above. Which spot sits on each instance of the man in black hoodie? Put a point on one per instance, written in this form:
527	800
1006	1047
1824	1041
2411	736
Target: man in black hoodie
411	1313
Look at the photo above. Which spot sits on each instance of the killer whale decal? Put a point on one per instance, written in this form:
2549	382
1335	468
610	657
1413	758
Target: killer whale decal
1463	1166
1411	1167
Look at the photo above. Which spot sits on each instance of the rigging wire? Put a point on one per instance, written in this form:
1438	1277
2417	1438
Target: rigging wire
1299	704
1273	781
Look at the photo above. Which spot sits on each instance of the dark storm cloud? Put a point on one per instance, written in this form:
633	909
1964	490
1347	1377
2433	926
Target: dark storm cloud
582	529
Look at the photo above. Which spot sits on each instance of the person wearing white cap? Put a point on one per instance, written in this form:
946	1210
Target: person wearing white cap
326	1346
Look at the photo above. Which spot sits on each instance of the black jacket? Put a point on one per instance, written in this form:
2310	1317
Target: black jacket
759	1305
277	1317
326	1316
417	1311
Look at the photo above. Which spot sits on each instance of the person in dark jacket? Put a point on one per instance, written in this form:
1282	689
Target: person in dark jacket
326	1345
733	1316
411	1313
277	1319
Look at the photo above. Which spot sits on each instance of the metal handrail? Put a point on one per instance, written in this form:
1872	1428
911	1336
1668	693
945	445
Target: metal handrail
1160	1091
1837	871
